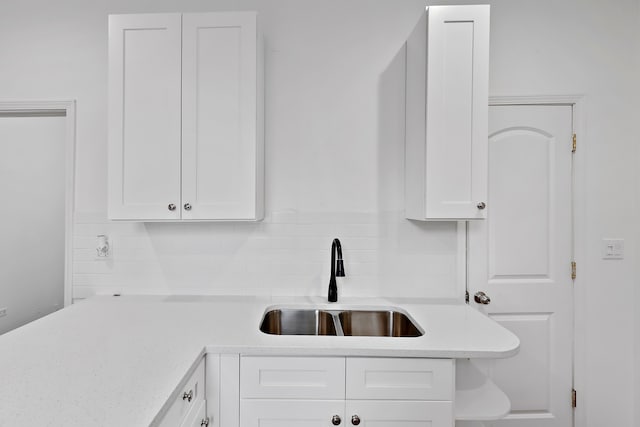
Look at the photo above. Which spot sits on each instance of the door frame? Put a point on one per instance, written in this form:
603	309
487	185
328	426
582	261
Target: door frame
68	108
579	215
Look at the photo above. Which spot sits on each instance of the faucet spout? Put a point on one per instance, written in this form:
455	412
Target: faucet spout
336	270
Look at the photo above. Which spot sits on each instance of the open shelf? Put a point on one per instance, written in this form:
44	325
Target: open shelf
477	397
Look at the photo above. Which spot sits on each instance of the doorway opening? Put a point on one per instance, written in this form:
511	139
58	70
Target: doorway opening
37	146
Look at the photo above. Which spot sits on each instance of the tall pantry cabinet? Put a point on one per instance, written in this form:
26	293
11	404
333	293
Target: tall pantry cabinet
185	117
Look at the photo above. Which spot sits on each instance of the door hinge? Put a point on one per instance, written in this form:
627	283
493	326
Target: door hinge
574	398
574	144
466	297
573	270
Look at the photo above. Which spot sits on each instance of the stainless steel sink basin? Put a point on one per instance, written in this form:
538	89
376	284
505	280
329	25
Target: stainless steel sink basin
388	322
298	322
369	323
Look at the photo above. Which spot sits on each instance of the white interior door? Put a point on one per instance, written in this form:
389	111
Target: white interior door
32	222
521	257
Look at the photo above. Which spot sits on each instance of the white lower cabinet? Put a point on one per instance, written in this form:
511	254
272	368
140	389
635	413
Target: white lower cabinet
188	407
338	391
321	413
223	390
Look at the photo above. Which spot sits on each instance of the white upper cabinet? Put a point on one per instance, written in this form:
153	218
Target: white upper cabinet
185	117
446	164
144	116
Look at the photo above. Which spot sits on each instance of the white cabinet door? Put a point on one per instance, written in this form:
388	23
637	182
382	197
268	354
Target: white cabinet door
446	107
290	413
219	110
369	413
144	116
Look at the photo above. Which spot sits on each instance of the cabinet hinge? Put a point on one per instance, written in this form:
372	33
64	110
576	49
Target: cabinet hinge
466	297
573	270
574	143
574	398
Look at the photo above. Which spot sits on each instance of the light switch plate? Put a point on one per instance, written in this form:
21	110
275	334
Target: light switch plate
612	248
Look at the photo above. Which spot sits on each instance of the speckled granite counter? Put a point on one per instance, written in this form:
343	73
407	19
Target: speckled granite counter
114	361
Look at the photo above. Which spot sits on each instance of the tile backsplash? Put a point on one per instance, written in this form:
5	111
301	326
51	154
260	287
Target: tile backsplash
286	254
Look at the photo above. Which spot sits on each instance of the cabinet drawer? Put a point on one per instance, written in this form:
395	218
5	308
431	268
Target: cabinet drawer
196	417
399	379
180	405
292	377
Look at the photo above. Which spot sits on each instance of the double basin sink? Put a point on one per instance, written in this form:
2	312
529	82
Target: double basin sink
390	322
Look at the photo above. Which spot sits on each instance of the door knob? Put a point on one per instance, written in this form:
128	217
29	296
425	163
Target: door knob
187	206
171	207
481	298
481	205
336	420
355	420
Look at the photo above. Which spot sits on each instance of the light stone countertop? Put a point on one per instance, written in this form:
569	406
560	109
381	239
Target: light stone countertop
114	361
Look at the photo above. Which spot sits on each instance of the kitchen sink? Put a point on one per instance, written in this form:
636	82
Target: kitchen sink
298	322
383	322
377	323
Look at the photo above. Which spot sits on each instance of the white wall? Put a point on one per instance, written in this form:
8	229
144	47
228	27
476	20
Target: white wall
334	168
333	150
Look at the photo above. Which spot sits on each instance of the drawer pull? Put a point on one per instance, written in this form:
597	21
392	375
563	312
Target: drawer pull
188	396
335	420
355	420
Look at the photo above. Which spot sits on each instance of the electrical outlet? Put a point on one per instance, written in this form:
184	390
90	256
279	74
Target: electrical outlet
103	247
3	311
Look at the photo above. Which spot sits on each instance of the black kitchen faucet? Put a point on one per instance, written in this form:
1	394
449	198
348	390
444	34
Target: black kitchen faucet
336	270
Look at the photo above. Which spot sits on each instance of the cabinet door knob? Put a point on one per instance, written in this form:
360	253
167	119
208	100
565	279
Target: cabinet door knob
171	207
355	420
188	396
482	205
336	420
187	206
